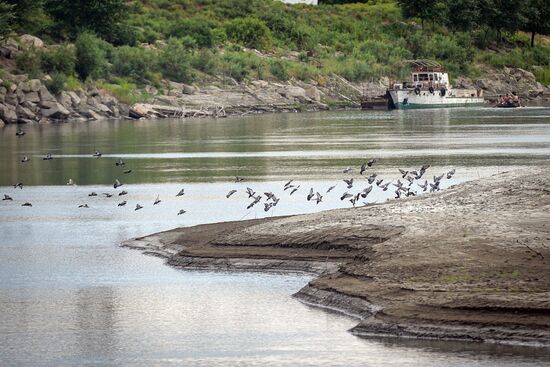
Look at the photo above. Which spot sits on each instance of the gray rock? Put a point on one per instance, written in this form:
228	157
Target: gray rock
31	41
65	99
2	123
30	106
75	99
313	94
45	95
24	113
54	110
189	89
11	99
32	97
7	114
290	91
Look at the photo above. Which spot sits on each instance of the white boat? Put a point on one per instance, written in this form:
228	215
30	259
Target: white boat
429	87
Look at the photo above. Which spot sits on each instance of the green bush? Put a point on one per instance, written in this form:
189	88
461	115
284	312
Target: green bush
234	65
29	63
61	59
90	56
57	83
205	61
133	62
279	70
249	32
174	62
199	29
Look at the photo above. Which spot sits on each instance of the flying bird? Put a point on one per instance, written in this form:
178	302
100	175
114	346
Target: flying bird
331	188
48	157
127	171
157	201
310	195
7	197
181	192
239	179
92	194
138	207
19	133
346	195
318	198
181	212
71	182
26	204
363	168
18	184
122	193
25	159
83	206
403	172
230	193
349	182
97	154
450	173
122	203
294	189
117	184
107	195
371	162
347	170
120	163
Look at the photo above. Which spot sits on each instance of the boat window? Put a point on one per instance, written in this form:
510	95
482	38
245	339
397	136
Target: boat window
415	77
431	77
422	77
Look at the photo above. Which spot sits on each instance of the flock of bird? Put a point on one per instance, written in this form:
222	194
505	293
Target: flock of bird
403	188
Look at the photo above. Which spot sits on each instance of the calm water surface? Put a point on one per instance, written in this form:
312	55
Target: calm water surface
69	296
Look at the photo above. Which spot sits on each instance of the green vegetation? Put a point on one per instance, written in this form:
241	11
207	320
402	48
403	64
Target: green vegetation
132	43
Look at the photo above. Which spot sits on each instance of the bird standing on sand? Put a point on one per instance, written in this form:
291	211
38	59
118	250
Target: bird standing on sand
181	212
26	204
230	193
138	207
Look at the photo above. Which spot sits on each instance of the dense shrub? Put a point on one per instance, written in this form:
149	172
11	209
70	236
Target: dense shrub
29	63
249	32
90	56
57	83
133	62
174	62
279	70
199	29
205	61
61	59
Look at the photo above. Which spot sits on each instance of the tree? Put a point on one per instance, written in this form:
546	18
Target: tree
175	63
74	16
249	32
29	15
429	10
90	57
537	18
502	15
461	15
7	18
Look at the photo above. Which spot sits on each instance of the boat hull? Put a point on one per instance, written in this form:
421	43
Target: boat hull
408	99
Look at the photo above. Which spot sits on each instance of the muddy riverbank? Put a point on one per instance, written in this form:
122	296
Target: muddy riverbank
468	263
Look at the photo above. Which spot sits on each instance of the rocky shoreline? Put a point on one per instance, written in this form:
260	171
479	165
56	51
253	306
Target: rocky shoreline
27	100
469	263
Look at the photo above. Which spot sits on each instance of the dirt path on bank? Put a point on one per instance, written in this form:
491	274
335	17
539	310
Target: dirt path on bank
471	262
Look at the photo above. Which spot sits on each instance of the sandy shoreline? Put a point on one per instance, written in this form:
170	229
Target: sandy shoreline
469	263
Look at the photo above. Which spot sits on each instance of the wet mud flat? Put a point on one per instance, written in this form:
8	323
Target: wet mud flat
471	262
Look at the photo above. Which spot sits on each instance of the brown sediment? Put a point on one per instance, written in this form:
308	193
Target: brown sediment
469	263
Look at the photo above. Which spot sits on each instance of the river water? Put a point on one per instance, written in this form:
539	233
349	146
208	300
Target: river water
69	296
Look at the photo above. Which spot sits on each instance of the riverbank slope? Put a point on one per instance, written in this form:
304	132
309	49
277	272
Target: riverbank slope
468	263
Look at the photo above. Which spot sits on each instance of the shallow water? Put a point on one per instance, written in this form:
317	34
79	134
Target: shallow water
69	296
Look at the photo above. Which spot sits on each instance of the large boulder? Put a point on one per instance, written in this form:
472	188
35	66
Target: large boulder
7	114
54	110
24	113
313	93
31	97
29	41
45	95
75	99
293	92
9	48
1	123
32	85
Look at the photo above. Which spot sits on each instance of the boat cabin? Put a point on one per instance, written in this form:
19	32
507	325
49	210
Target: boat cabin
425	74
